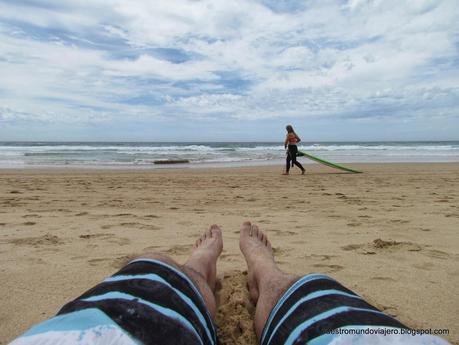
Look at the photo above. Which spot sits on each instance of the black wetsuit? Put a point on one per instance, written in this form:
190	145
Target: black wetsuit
291	158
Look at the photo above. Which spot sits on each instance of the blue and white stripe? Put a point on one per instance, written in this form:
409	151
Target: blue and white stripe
299	283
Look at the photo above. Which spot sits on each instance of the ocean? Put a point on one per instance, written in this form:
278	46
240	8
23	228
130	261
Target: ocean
216	154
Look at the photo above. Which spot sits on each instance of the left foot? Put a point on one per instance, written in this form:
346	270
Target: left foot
206	251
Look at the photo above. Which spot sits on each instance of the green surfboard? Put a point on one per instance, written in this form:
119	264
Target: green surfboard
322	161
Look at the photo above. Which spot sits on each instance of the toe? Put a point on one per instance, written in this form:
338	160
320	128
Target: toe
265	239
207	234
256	232
246	229
215	230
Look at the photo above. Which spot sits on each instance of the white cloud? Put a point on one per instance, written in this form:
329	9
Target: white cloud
85	60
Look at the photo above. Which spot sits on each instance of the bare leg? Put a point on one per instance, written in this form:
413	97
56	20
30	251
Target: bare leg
201	266
266	281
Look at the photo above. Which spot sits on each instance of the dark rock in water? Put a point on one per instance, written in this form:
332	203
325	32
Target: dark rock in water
172	161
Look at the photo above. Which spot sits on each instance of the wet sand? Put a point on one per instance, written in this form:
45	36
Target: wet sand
390	234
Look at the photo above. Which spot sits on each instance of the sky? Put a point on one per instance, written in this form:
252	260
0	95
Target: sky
219	70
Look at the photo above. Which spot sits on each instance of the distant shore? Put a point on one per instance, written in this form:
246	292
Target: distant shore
390	234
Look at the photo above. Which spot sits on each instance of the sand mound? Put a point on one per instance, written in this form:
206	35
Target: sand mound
235	312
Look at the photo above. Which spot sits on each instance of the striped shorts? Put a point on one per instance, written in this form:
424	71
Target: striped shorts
317	310
146	302
150	302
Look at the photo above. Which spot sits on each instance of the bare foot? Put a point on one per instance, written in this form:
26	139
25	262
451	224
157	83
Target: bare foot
284	173
303	171
266	281
203	259
258	253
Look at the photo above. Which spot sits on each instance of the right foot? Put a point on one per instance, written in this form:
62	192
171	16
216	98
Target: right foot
265	280
259	255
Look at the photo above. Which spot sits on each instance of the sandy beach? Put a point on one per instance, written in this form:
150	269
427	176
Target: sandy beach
390	234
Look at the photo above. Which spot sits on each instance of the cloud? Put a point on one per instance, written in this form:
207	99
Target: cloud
95	61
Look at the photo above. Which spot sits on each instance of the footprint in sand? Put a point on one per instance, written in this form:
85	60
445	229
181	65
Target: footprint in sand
29	223
436	254
31	216
235	313
398	221
102	236
137	225
384	279
77	257
320	257
150	249
111	238
121	261
427	266
97	261
264	221
47	239
180	249
229	257
352	247
282	251
379	245
151	216
185	223
117	262
123	215
388	309
283	232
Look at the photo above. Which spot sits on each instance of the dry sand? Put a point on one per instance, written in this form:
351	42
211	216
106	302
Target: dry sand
390	234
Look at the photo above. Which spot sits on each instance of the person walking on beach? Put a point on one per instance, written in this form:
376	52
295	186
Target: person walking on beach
291	140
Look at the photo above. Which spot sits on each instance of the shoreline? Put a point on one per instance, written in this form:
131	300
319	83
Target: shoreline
64	230
211	165
312	166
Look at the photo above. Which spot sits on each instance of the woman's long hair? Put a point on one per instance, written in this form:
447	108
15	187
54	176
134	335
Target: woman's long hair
290	129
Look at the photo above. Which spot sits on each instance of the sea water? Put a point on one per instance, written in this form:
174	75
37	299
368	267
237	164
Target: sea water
214	154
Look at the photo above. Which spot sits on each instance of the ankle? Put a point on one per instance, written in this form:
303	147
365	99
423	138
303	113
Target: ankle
264	272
